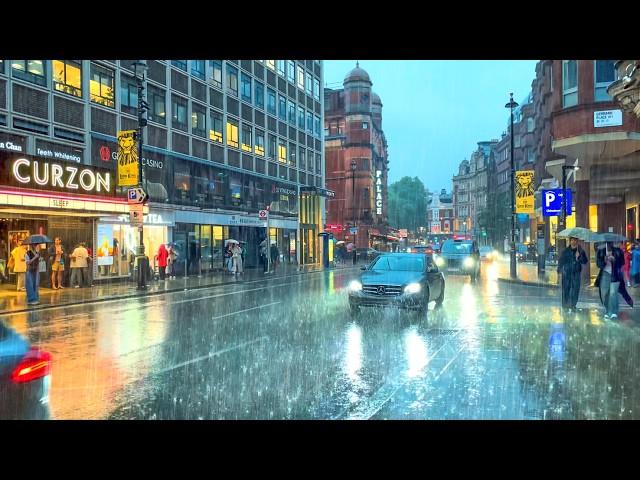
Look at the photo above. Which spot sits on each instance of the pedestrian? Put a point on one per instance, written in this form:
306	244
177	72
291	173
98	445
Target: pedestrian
635	263
570	267
236	252
263	255
162	256
3	261
275	256
79	266
56	257
171	261
627	264
19	266
32	262
610	260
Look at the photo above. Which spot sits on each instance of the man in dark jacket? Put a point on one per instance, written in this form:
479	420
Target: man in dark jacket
570	266
610	281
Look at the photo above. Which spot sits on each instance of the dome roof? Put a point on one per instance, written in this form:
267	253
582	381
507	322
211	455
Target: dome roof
375	99
357	75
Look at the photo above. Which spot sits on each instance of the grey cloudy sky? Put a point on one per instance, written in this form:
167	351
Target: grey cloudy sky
435	111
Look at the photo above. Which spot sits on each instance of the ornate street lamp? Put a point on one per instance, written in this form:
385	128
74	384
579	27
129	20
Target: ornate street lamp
512	257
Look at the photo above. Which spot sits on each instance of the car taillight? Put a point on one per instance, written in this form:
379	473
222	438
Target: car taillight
35	364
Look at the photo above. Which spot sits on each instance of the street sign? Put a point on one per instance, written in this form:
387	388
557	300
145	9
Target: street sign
263	214
137	195
552	202
353	230
136	215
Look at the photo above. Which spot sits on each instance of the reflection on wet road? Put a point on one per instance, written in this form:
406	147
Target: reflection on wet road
288	348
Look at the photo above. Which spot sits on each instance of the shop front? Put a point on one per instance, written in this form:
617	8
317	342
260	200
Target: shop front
55	198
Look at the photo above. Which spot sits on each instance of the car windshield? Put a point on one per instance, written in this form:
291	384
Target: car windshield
403	264
485	249
453	247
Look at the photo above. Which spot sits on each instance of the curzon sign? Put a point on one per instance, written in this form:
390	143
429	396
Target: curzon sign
26	171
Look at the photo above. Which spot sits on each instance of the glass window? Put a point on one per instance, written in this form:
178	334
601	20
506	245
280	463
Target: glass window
179	113
365	125
280	66
292	154
291	71
259	95
67	76
128	95
271	151
318	163
30	70
215	132
301	118
530	124
198	126
271	64
101	86
302	157
181	64
309	122
316	89
308	82
282	151
216	79
259	150
316	126
198	69
232	133
291	106
247	144
605	74
157	105
1	66
282	108
300	77
271	101
569	83
245	87
232	80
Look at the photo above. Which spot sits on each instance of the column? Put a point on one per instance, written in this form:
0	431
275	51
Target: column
581	200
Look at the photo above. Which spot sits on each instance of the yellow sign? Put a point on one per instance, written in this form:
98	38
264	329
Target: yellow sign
127	158
524	191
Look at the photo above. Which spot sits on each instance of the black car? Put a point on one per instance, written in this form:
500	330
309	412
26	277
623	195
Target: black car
367	254
460	257
402	280
25	376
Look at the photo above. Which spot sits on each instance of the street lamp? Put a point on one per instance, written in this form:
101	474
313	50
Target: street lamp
512	257
354	166
139	69
563	215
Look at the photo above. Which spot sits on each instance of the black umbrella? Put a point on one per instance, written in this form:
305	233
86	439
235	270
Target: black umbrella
36	240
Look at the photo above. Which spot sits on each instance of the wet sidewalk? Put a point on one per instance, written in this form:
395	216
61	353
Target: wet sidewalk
12	301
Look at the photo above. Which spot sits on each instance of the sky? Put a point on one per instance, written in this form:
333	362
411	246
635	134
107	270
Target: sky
435	111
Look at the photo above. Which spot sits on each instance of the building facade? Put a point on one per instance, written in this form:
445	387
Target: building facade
356	163
440	212
225	139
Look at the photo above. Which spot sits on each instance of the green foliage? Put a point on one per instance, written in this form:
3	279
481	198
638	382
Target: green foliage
408	204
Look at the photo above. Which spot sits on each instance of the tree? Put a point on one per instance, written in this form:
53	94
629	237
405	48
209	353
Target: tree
408	204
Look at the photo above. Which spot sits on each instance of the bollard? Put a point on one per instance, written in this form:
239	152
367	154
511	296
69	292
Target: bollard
200	268
185	268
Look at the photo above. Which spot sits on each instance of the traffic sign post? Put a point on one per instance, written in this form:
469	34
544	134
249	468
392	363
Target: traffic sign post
136	215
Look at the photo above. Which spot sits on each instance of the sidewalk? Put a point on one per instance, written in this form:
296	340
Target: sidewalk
12	301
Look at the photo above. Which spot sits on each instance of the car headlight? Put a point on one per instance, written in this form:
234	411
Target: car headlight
412	288
439	261
355	286
468	262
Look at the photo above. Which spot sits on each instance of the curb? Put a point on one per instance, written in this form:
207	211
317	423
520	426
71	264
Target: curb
529	284
150	294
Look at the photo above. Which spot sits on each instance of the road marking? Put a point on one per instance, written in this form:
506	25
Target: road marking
210	355
245	310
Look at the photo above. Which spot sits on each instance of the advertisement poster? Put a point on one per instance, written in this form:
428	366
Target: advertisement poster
14	236
525	202
105	244
127	158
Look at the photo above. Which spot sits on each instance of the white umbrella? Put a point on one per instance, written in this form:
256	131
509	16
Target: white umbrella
230	240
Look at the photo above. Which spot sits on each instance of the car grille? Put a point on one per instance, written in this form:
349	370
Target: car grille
389	290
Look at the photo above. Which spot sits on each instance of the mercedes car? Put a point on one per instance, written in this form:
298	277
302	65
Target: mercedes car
460	257
401	280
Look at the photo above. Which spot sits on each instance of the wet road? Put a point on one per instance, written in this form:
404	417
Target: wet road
288	349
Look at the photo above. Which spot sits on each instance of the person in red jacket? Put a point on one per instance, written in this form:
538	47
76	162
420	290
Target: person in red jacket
162	256
627	263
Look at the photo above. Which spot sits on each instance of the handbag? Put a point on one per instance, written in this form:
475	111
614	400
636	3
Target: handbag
42	266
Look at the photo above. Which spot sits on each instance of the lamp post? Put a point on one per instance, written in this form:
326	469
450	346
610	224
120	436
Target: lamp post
354	166
139	69
512	257
563	213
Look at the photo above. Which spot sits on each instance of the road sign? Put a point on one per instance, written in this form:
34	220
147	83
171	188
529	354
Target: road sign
263	214
137	195
136	215
552	202
353	230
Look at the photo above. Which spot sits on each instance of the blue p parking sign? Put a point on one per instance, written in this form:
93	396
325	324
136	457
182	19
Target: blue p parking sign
552	202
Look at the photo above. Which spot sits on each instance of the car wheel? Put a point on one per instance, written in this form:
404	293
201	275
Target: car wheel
440	299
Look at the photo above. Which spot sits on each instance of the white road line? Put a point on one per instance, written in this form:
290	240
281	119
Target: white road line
246	310
449	363
210	355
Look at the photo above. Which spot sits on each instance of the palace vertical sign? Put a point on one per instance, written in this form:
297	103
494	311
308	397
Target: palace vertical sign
127	158
378	192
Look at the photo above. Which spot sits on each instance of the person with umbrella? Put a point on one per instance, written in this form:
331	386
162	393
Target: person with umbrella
610	260
32	260
570	267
